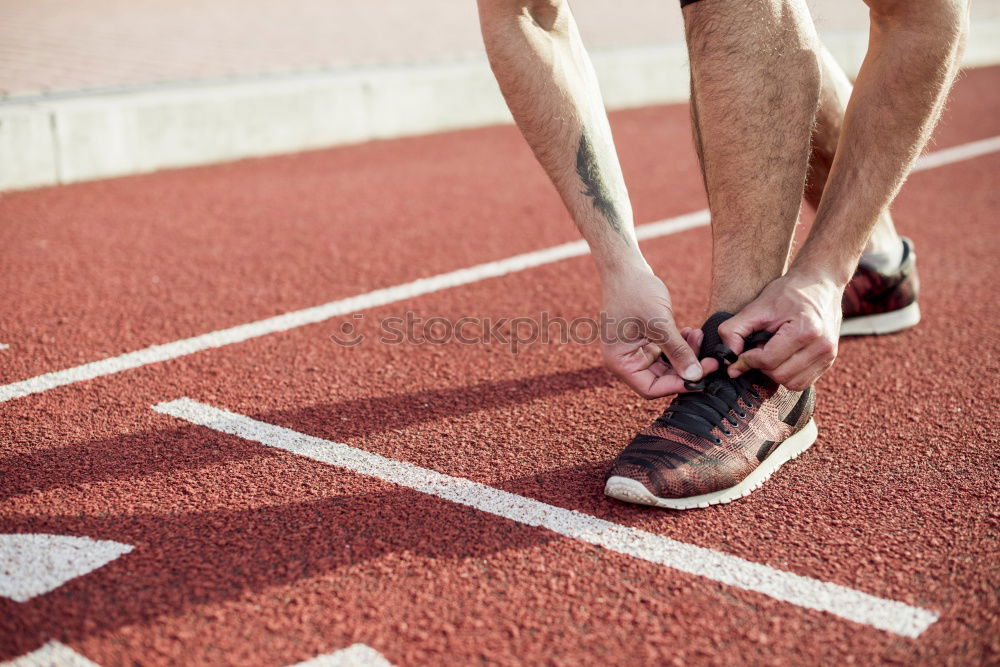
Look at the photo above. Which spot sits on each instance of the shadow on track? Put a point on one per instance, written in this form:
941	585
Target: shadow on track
186	559
364	417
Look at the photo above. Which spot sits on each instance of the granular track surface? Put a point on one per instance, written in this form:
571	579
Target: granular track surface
245	554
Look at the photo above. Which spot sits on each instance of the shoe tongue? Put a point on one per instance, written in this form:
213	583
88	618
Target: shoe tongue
719	381
711	330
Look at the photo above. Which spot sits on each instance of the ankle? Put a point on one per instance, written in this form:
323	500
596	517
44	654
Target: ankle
729	302
884	254
731	293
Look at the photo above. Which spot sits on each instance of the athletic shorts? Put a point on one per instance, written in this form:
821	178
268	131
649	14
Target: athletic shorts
685	3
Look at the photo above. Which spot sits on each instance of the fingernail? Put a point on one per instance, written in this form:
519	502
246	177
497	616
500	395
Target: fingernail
693	372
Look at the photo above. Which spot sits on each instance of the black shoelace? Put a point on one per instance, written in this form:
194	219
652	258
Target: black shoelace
714	397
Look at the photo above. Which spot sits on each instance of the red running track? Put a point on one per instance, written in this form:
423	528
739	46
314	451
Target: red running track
246	554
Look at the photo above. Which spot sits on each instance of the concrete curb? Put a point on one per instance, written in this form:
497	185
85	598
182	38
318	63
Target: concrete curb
69	137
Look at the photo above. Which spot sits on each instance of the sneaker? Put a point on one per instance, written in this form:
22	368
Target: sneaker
718	444
881	303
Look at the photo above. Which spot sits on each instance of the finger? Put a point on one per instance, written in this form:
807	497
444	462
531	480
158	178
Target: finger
806	379
809	376
776	352
694	337
794	368
682	357
659	364
650	353
626	362
660	368
820	362
740	326
648	385
708	364
667	385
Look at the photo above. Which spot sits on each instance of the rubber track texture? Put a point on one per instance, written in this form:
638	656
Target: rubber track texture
250	555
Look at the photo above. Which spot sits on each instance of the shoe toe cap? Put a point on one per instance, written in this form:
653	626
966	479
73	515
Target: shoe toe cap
669	469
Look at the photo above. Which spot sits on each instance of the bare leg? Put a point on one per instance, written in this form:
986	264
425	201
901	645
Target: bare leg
755	82
884	247
914	51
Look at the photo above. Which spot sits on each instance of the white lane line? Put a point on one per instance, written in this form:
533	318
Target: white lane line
888	615
51	654
33	564
299	318
385	296
4	346
357	655
957	154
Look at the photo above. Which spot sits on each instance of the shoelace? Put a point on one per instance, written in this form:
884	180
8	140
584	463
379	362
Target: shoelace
713	397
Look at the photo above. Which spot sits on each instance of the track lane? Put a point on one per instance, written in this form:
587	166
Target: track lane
855	606
145	264
880	543
888	524
98	269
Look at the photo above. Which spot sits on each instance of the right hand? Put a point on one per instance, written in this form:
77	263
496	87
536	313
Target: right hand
638	306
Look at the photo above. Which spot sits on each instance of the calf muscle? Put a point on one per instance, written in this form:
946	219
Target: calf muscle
755	90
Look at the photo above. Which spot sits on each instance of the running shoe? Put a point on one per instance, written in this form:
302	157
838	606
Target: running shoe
881	303
717	444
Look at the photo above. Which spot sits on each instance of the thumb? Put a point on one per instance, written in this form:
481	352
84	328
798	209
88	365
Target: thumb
737	328
748	360
663	332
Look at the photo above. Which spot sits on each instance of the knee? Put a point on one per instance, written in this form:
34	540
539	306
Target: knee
546	14
769	30
932	22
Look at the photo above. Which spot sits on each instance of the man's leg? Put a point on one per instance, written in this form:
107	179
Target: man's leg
914	51
755	79
884	251
755	83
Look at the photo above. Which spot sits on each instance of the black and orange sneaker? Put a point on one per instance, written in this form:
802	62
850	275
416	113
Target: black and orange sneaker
718	444
881	303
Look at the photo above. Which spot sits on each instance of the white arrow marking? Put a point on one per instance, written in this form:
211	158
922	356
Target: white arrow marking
34	564
357	655
52	654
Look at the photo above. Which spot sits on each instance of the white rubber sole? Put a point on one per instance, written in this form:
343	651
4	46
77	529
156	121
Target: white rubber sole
882	323
631	491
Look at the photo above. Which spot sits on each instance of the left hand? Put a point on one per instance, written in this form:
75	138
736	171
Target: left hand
803	312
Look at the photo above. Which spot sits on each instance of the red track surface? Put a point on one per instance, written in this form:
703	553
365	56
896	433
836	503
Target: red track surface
248	555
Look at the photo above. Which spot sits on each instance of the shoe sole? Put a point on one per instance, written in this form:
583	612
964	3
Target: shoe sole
631	491
881	323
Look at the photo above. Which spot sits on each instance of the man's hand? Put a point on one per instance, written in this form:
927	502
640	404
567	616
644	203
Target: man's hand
803	312
641	326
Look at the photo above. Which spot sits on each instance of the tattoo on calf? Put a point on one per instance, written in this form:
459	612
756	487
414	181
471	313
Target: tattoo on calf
590	174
